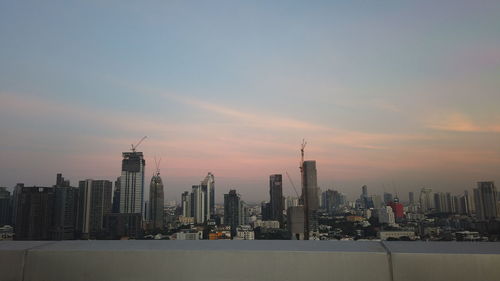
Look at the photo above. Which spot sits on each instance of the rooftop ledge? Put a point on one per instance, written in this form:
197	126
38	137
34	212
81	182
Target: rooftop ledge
248	260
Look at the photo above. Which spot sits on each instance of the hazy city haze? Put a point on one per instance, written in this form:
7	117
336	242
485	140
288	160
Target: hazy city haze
396	95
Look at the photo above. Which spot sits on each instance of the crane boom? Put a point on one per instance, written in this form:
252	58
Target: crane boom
293	185
134	147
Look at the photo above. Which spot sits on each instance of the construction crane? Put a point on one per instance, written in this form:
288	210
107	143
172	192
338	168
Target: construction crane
134	147
293	185
304	191
157	165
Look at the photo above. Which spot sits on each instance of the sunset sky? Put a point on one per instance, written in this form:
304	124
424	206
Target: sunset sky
396	95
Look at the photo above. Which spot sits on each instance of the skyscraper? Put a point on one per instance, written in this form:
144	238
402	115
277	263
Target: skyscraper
485	198
208	188
65	210
156	201
186	204
34	213
5	207
387	198
411	197
95	202
65	213
276	194
198	204
232	210
310	193
425	200
132	183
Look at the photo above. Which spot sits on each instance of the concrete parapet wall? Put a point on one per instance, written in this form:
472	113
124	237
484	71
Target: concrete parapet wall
248	260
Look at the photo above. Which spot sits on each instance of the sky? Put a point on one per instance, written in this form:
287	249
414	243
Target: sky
396	95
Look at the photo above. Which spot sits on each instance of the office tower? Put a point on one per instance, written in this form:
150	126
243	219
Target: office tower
440	202
386	215
156	201
485	198
425	200
186	204
198	204
95	202
295	222
34	213
387	198
132	183
276	194
208	188
5	207
411	197
65	213
232	210
116	196
310	193
333	200
464	204
364	197
244	214
266	211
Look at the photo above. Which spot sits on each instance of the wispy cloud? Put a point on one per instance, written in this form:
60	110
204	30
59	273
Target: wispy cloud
458	122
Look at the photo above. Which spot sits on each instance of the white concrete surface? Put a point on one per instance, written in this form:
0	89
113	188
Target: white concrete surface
248	260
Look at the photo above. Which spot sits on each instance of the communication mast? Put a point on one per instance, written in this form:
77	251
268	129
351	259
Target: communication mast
304	191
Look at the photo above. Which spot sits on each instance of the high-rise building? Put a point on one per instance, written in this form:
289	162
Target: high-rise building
232	207
333	200
5	207
198	204
65	213
208	188
132	183
156	201
425	200
276	194
485	198
186	204
310	193
364	197
34	214
117	226
411	197
464	204
295	222
95	202
116	196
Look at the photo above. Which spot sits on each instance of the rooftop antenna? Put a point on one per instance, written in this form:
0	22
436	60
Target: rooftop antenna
304	191
134	147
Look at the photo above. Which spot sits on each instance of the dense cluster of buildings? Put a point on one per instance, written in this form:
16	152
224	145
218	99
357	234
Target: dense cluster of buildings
97	209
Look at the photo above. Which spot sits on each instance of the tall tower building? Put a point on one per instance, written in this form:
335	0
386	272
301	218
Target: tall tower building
485	198
425	200
198	204
276	194
232	207
411	198
5	207
186	204
34	215
310	193
132	183
156	201
95	202
208	188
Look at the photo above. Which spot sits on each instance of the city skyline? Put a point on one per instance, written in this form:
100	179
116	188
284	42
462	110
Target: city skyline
395	96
